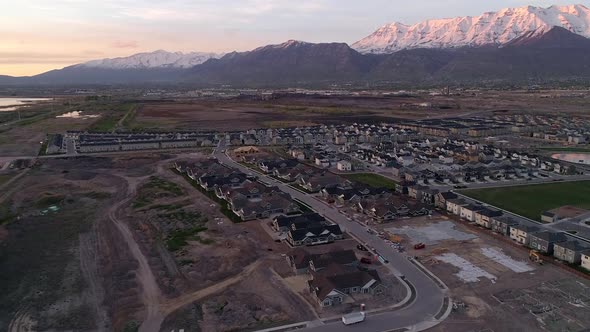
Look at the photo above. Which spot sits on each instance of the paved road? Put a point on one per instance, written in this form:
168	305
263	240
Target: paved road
429	297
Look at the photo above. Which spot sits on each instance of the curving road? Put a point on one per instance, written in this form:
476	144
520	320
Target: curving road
418	315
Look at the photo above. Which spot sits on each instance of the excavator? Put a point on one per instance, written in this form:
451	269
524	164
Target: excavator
535	256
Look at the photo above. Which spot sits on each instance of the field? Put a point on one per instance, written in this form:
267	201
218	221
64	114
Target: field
531	201
564	149
373	180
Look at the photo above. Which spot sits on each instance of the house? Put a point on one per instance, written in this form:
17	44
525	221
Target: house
246	150
314	235
298	260
284	223
544	241
548	217
440	200
468	211
320	262
501	224
454	205
272	204
336	284
569	251
484	217
268	166
344	166
521	233
317	182
585	259
563	212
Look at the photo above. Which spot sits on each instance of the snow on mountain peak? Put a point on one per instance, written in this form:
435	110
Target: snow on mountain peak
156	59
491	28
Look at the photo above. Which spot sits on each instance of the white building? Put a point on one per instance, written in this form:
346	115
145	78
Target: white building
585	260
344	166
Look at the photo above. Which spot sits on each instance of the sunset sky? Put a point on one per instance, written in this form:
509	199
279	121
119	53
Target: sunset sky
40	35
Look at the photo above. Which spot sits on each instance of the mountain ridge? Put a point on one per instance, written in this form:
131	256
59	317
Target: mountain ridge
491	28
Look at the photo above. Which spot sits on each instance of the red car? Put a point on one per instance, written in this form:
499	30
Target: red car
365	260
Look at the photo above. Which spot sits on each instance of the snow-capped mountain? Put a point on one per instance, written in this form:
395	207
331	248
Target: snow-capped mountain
492	28
157	59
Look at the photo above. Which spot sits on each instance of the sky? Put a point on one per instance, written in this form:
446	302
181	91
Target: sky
40	35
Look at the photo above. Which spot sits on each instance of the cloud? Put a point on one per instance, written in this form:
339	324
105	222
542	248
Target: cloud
125	44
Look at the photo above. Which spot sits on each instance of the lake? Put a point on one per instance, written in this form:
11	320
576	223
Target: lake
578	158
11	104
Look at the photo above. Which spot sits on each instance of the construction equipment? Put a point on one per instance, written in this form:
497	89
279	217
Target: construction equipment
535	256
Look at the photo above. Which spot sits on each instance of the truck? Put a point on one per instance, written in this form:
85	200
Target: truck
353	318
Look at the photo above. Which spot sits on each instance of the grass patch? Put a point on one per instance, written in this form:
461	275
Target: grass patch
373	180
43	148
6	214
5	178
156	188
178	239
109	121
48	199
530	201
559	149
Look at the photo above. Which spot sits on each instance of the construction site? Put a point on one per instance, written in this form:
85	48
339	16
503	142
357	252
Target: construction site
495	285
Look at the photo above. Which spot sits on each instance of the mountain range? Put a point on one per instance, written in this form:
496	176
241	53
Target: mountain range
512	45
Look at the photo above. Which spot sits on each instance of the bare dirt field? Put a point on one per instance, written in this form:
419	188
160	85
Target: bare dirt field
126	243
495	286
236	114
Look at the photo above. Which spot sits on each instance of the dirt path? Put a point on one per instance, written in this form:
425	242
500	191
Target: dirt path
89	269
21	322
151	294
11	189
181	301
303	307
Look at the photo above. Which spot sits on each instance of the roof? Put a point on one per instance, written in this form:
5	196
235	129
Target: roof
324	284
448	195
573	245
342	257
300	234
287	221
550	236
489	213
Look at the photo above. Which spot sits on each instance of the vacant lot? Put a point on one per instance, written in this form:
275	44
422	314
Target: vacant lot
373	180
531	201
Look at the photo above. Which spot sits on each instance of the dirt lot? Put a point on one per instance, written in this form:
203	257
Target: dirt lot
206	114
94	244
494	284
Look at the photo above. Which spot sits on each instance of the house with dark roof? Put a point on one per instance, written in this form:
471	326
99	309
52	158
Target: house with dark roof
544	241
284	223
314	235
265	207
336	283
501	224
320	262
484	217
468	211
440	200
570	251
521	233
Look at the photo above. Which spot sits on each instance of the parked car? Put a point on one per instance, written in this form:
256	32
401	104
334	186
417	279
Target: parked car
361	247
419	246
